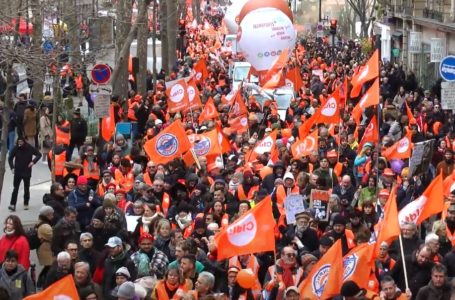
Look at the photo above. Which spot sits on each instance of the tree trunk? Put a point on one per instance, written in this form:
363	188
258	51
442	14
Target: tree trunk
196	7
155	14
163	34
172	20
122	47
142	37
38	70
71	21
8	107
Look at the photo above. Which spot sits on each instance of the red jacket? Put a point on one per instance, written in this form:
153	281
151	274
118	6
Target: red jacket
20	245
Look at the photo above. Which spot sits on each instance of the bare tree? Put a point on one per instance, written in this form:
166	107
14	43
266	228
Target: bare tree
142	38
163	33
364	9
39	68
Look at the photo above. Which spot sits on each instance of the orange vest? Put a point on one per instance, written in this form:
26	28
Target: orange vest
78	82
91	174
269	285
161	294
131	111
101	189
147	178
124	181
241	193
450	236
76	172
62	137
165	204
59	166
253	265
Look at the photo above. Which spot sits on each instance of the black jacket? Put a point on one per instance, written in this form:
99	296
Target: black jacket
78	130
111	265
431	292
20	157
58	204
418	275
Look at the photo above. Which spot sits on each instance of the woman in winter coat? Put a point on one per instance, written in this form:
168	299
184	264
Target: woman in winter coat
45	133
30	124
45	234
15	239
14	278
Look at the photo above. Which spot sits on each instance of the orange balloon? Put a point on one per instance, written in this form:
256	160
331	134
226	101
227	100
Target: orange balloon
246	278
286	132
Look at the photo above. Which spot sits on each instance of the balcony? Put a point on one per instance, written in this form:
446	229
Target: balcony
433	14
403	11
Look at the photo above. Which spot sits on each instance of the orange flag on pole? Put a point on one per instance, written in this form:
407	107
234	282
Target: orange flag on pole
209	112
168	144
64	288
429	203
201	70
401	149
194	98
208	144
305	146
371	133
305	128
366	73
370	98
177	96
222	140
266	145
388	227
329	112
238	106
293	76
326	277
251	233
108	125
358	263
411	119
239	124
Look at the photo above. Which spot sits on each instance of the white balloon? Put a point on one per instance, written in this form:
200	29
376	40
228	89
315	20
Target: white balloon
230	17
263	34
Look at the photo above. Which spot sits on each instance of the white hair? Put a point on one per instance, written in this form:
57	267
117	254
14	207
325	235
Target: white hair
86	235
209	278
63	256
431	237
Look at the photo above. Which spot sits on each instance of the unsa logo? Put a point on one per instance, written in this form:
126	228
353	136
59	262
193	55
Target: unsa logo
62	297
349	265
177	93
320	279
198	75
244	121
203	146
242	232
167	144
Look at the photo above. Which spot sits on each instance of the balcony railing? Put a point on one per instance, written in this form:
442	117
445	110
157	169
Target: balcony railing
433	14
403	10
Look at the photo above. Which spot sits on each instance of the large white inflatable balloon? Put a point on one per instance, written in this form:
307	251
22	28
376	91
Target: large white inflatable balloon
232	12
265	30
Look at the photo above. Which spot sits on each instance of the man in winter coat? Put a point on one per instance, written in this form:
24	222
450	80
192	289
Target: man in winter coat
21	162
79	132
84	201
438	288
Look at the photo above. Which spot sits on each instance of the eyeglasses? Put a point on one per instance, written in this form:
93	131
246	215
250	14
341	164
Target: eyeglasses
290	255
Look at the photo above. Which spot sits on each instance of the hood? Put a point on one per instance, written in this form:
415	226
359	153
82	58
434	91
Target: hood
288	175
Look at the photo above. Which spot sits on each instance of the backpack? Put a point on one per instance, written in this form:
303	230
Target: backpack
32	237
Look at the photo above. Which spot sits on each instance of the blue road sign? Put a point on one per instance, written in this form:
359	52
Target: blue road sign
447	68
101	73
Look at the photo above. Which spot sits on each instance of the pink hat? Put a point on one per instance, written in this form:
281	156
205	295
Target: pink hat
81	180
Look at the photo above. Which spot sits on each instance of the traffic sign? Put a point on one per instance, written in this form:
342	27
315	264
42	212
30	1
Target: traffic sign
447	68
101	74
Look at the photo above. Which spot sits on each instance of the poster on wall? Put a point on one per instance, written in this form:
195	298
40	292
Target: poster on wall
437	49
415	42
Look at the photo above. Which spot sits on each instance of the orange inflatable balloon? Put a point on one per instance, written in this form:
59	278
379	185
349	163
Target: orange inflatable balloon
246	278
286	133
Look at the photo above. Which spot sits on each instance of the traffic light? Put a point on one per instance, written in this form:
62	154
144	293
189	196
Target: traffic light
333	26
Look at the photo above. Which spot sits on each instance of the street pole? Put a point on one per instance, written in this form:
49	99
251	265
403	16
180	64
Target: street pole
320	10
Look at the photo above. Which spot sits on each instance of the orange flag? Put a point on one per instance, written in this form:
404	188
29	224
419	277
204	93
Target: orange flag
326	277
411	118
239	124
177	96
305	146
449	184
208	144
238	106
209	112
358	263
190	158
429	203
201	70
366	73
194	98
401	149
64	288
329	112
388	227
305	128
371	133
274	77
293	75
266	145
370	98
251	233
108	125
168	144
222	140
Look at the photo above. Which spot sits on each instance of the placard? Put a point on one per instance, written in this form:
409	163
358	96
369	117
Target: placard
131	222
319	202
422	154
437	49
415	42
293	204
448	95
101	105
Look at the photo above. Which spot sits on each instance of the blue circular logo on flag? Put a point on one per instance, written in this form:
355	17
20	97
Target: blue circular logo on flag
320	280
349	265
202	147
447	68
167	145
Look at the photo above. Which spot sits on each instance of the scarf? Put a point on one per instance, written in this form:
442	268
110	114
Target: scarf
288	280
146	222
10	233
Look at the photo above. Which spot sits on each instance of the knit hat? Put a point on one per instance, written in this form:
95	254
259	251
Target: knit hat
326	241
339	219
107	202
199	223
126	290
82	180
45	210
201	187
306	259
123	271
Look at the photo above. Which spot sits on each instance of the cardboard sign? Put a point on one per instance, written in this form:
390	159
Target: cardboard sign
293	205
319	201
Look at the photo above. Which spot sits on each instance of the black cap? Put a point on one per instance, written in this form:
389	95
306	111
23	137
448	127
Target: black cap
339	219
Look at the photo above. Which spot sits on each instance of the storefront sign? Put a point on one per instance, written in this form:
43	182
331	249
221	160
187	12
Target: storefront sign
438	49
415	42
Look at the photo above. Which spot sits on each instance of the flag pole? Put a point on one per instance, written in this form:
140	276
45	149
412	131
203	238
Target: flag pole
404	262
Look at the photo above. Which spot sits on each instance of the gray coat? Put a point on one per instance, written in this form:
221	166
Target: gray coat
18	284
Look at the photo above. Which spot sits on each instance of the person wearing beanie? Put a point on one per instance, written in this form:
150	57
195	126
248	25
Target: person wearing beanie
111	215
325	243
350	290
247	189
125	291
106	180
84	200
308	261
199	198
339	231
301	234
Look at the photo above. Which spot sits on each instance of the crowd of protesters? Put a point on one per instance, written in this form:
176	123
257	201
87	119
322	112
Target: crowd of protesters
170	252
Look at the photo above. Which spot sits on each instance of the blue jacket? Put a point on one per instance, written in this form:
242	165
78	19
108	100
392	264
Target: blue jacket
79	200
